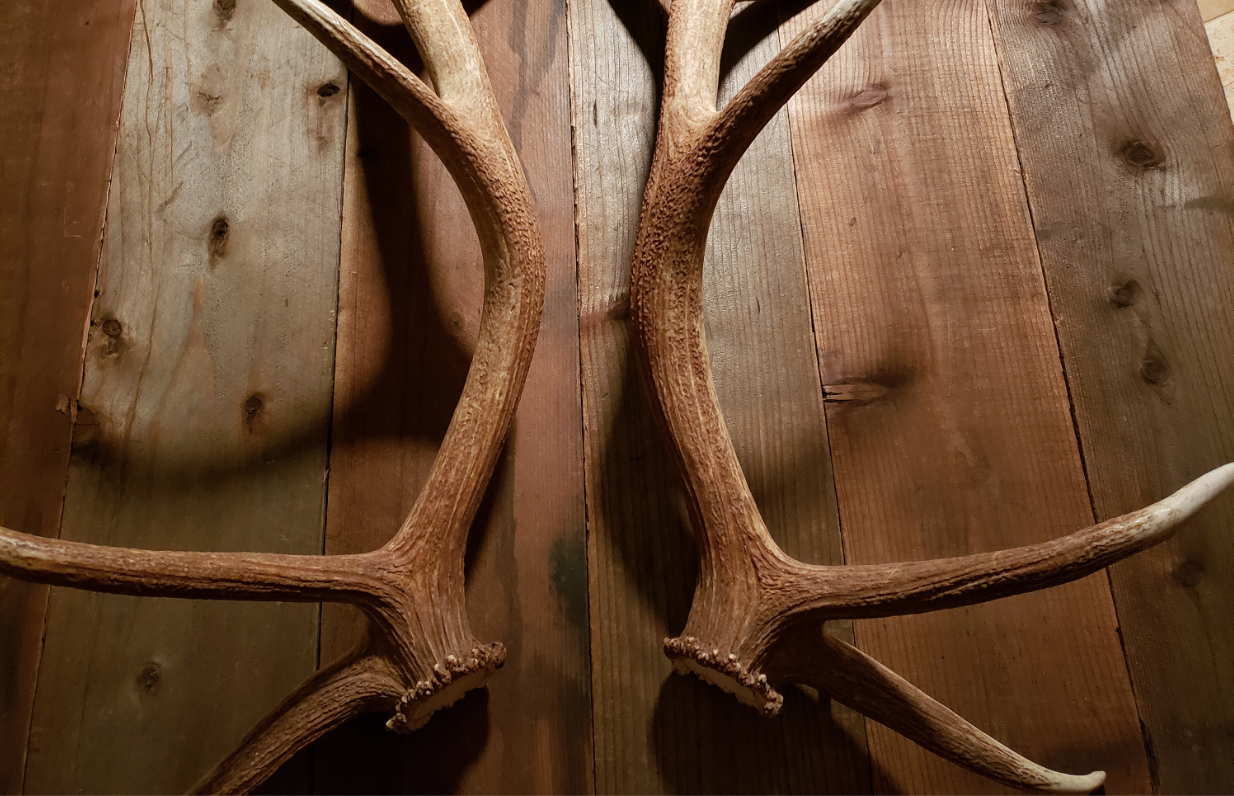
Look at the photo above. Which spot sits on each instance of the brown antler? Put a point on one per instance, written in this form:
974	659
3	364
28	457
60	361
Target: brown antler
419	654
757	617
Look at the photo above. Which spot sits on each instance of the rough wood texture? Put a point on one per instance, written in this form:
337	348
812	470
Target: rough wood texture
968	372
207	388
655	732
62	74
409	311
1128	157
755	623
937	360
418	653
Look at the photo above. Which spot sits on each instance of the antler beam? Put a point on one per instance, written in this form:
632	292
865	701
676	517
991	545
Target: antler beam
419	654
757	617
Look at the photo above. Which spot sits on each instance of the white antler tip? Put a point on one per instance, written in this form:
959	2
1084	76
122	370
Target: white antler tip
1201	490
1076	783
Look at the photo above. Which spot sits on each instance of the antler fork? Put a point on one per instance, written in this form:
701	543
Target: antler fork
757	618
419	654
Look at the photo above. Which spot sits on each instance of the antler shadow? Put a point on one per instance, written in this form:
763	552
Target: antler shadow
756	621
418	654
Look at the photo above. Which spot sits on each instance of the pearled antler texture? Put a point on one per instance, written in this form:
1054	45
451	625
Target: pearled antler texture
757	619
419	654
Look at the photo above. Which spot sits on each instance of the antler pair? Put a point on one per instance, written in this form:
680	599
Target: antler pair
419	654
757	618
758	615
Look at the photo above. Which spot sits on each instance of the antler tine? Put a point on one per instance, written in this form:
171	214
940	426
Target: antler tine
357	683
166	573
420	654
852	678
918	587
754	105
753	602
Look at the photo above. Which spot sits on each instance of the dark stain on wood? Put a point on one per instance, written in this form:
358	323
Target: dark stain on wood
1216	203
224	10
148	679
1049	12
1126	294
218	239
1141	155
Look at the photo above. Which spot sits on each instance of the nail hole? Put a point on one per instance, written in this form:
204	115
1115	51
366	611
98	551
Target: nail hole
220	232
149	676
112	327
225	9
328	90
253	405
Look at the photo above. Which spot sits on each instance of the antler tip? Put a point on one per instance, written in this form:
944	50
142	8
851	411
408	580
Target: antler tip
1199	492
1075	783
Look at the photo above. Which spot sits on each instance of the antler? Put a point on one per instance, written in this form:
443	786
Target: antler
419	654
757	617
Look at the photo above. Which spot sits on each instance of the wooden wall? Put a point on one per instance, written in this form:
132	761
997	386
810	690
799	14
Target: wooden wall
973	288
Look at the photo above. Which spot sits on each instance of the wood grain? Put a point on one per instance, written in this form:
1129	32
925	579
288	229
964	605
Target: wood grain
62	73
206	395
409	311
1128	157
932	314
656	732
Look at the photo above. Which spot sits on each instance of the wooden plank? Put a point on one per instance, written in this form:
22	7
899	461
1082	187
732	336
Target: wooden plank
62	72
930	302
656	732
409	313
1128	156
206	395
1221	40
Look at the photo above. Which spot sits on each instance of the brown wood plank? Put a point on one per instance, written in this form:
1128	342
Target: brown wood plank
656	732
1128	155
930	303
408	316
206	395
62	73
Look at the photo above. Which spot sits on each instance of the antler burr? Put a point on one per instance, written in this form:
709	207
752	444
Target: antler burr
419	654
757	619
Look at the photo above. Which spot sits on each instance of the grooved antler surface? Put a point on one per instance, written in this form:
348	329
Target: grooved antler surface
419	654
757	617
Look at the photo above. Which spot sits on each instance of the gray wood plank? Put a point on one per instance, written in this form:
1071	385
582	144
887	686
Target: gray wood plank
206	395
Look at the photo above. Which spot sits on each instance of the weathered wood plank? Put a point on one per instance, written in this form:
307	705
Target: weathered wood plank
656	732
409	312
1128	155
62	74
206	394
929	296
